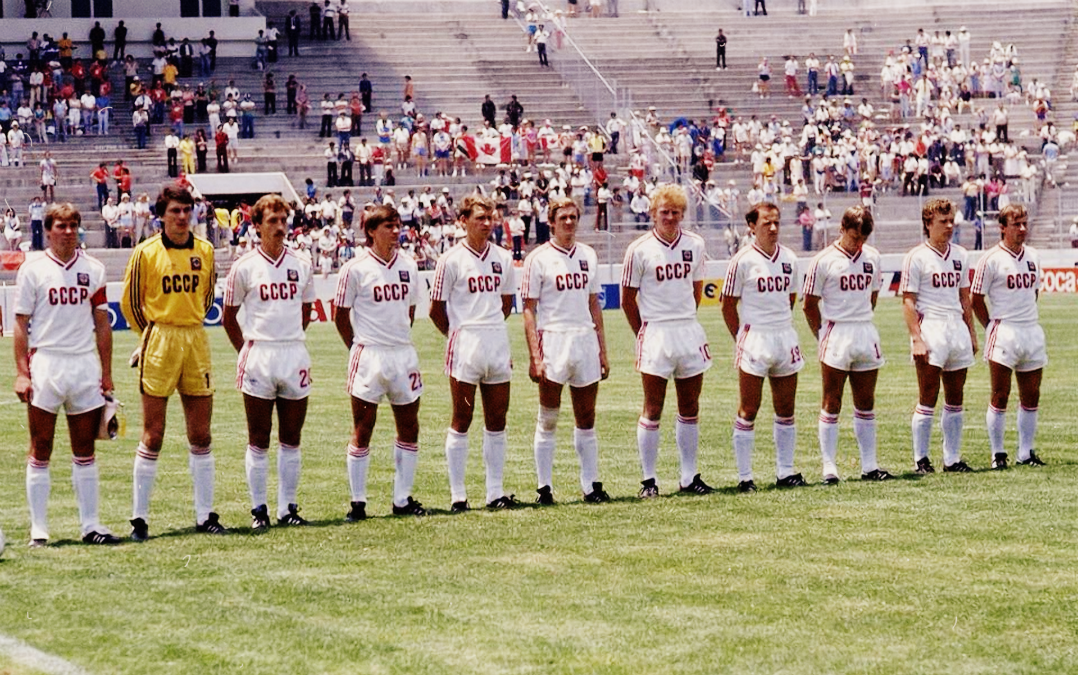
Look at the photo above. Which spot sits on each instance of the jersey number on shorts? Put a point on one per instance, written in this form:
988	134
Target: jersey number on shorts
876	346
417	381
706	351
795	355
304	378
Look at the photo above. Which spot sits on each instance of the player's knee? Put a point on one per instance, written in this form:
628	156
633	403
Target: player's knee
204	440
547	420
40	450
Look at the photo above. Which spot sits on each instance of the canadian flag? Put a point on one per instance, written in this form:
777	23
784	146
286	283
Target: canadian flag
493	150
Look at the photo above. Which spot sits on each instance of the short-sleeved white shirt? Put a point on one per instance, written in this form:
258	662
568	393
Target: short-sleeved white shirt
664	274
764	284
936	279
380	295
844	282
563	282
472	284
271	292
1010	282
60	299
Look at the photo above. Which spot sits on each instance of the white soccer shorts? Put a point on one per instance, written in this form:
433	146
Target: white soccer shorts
571	356
768	352
1020	347
68	381
948	342
479	355
675	349
271	370
391	372
851	346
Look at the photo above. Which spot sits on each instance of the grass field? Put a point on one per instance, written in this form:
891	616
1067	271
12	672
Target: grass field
947	573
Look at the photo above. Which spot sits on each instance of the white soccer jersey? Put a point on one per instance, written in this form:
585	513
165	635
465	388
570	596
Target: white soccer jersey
562	281
60	299
379	294
764	284
1010	282
472	284
844	282
936	279
664	274
272	293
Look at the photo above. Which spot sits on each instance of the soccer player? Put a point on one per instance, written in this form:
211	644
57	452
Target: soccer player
1008	276
471	298
62	320
661	286
761	280
936	306
375	308
563	326
168	288
275	288
840	294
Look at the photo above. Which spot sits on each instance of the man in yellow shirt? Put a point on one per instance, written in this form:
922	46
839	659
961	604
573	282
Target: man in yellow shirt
168	288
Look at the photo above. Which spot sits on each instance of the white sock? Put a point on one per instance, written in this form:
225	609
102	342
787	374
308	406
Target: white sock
202	465
785	434
864	428
996	421
145	473
405	456
647	440
84	477
827	430
744	442
257	465
587	449
687	438
951	423
456	459
922	431
546	425
358	459
38	486
1027	430
289	460
494	460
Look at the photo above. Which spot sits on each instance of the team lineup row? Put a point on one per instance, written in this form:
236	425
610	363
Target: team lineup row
168	288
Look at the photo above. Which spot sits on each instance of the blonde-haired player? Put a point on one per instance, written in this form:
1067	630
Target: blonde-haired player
563	325
470	300
1008	276
275	288
936	306
661	286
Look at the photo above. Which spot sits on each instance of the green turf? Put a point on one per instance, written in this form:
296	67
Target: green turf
948	573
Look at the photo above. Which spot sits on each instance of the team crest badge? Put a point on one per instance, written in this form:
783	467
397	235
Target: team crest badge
686	256
196	264
405	277
868	268
583	265
787	268
83	279
957	264
293	275
497	267
1029	264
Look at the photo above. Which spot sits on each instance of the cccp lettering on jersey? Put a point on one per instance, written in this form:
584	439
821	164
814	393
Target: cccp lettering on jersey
390	292
280	290
671	271
1023	280
855	282
68	295
946	279
571	281
179	283
485	283
773	284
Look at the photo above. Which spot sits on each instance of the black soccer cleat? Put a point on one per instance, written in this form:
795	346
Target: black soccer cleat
292	518
411	508
504	502
999	461
746	486
791	481
546	496
460	507
140	531
597	495
696	487
957	467
649	490
830	479
357	513
212	525
260	520
924	467
101	538
38	543
876	475
1033	460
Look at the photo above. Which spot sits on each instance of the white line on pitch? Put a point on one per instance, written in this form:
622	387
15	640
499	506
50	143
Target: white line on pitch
23	654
